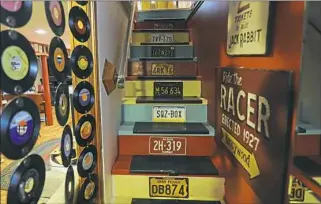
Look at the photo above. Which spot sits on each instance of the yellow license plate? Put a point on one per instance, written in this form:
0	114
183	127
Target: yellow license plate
168	187
162	69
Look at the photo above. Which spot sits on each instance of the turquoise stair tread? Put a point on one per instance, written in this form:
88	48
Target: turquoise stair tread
175	51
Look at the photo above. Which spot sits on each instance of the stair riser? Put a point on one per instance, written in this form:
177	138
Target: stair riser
146	88
144	113
160	25
147	145
199	188
146	51
164	14
166	68
171	37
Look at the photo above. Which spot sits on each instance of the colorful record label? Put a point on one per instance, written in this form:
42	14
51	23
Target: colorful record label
63	101
12	6
59	59
56	11
67	145
80	26
21	128
89	190
82	62
29	184
85	130
84	97
15	63
87	161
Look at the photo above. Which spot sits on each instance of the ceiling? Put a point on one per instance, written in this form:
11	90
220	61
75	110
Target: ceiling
37	21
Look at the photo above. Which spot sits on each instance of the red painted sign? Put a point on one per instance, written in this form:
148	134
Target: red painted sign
167	145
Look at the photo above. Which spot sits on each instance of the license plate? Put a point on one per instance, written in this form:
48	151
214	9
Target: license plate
162	38
297	191
163	26
162	69
167	145
168	89
168	187
169	114
163	51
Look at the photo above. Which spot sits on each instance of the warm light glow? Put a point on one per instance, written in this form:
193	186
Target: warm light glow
41	31
153	2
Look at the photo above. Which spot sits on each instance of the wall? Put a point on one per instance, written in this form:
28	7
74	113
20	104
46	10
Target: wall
209	30
112	22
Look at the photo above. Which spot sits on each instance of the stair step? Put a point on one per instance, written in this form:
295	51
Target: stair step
167	129
165	14
184	100
162	201
309	165
161	51
160	25
160	37
162	68
160	89
142	112
161	31
163	78
166	145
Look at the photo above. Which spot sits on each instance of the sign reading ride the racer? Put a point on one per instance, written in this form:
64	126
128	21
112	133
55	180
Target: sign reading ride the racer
254	123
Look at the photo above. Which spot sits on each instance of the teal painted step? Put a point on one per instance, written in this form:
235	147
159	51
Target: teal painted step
162	51
164	14
144	112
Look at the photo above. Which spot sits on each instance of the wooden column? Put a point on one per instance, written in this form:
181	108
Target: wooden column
46	90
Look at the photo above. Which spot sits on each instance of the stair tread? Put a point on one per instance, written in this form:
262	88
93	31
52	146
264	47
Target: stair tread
177	165
162	201
186	99
159	30
307	165
163	77
165	60
173	128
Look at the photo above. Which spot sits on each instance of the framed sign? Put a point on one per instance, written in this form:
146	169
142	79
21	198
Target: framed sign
248	28
254	110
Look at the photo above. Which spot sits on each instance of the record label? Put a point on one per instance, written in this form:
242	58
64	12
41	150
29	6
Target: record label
63	101
89	190
15	14
81	61
21	128
15	63
11	6
87	161
69	186
56	12
30	183
66	146
58	59
83	97
62	106
85	130
79	24
55	16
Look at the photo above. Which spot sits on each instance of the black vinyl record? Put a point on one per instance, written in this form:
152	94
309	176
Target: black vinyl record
81	61
83	97
19	65
66	146
20	124
62	104
27	181
88	190
15	14
83	3
69	186
55	16
85	130
58	59
87	161
79	24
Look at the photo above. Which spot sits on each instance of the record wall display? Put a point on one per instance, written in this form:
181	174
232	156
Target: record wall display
85	130
66	146
19	66
20	124
83	97
87	161
79	24
69	185
81	61
55	16
62	104
82	3
58	59
15	14
88	190
27	181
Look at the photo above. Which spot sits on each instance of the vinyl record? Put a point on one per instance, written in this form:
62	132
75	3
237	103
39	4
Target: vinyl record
19	66
58	59
85	130
79	24
87	161
15	14
83	3
88	190
83	97
81	61
66	146
62	104
69	186
55	16
27	181
20	124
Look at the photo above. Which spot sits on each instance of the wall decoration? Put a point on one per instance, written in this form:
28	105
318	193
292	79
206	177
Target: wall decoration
85	130
20	124
87	161
88	190
79	24
69	186
62	105
66	146
81	61
55	16
28	180
83	97
110	77
248	28
19	66
15	14
254	124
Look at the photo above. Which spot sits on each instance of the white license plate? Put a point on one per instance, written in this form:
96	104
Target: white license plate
169	114
162	38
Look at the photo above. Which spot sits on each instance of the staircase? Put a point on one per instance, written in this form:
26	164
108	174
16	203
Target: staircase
165	142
